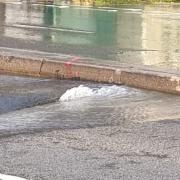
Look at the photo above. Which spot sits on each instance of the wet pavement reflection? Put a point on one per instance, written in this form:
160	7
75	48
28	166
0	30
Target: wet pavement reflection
145	35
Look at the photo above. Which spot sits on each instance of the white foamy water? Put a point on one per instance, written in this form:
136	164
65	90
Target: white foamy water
84	91
8	177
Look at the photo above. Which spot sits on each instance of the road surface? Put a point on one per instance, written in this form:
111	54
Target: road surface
124	133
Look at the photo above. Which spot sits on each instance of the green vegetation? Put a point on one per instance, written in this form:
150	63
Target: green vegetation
116	2
119	2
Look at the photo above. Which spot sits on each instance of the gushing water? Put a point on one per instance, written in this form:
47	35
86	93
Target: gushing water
84	91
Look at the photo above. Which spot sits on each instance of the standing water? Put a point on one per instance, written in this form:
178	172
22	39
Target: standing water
144	35
87	105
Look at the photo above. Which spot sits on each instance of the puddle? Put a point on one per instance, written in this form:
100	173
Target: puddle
77	104
92	105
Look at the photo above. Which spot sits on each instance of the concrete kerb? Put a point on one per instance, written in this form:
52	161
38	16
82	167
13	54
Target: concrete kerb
19	65
141	78
158	81
79	71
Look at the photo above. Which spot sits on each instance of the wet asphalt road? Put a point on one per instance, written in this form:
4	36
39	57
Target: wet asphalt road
133	135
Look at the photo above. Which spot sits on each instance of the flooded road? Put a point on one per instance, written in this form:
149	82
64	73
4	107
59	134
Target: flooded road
52	129
135	35
45	104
